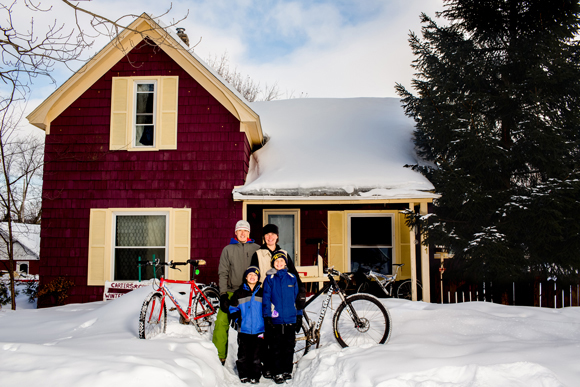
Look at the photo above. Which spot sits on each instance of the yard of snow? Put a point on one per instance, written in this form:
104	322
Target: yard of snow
470	344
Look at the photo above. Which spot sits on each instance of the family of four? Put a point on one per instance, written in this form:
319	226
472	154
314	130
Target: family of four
262	297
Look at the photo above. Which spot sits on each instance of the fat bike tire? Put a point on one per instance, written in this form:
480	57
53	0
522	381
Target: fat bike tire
153	316
375	320
201	307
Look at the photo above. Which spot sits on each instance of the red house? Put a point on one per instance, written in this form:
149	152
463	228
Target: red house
150	153
144	145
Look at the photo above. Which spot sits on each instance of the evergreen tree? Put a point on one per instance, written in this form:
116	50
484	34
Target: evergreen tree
497	115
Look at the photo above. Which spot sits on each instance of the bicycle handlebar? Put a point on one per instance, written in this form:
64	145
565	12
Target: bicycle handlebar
173	264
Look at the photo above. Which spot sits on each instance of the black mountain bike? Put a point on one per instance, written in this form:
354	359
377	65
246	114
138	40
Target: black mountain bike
359	319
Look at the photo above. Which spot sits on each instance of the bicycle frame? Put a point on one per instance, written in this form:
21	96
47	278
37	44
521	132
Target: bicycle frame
329	289
384	280
194	290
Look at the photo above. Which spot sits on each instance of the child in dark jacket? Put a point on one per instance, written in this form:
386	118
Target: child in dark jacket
281	316
246	314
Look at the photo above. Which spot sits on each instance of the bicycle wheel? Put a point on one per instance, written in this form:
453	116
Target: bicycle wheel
375	322
303	341
364	287
153	316
404	290
201	308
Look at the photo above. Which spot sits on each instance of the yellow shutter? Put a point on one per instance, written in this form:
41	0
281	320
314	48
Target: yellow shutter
98	257
336	241
167	113
404	247
121	101
180	237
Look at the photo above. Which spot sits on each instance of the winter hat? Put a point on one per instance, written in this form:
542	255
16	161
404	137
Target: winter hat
270	228
279	254
242	225
252	269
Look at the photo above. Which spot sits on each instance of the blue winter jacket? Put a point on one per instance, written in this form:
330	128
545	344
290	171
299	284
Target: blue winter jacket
248	304
280	292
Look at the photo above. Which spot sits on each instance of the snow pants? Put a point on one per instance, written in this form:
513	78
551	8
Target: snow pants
220	332
281	339
248	362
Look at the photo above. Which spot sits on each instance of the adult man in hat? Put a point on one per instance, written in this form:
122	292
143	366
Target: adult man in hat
234	261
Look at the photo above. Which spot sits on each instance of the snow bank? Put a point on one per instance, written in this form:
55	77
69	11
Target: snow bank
459	345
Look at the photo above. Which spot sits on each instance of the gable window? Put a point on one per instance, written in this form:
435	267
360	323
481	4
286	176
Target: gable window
144	113
138	238
371	239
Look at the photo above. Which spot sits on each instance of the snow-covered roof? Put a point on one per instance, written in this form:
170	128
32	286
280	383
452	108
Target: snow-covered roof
27	235
324	148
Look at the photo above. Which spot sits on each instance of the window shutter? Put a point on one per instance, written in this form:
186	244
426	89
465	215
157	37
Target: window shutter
120	114
167	120
181	241
336	241
97	248
404	248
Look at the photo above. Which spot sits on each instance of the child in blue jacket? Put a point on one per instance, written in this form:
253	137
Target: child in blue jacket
246	314
281	316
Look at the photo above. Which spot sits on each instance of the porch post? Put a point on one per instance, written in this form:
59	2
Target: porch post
413	258
425	270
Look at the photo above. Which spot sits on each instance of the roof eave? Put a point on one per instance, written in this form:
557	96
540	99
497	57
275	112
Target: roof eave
143	27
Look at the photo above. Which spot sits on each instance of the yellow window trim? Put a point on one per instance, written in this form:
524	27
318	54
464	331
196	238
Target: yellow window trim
114	51
123	114
338	240
101	242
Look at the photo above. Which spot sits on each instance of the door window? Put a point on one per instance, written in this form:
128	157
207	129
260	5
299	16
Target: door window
287	222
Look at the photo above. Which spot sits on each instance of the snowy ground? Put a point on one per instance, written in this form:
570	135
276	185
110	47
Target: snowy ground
470	344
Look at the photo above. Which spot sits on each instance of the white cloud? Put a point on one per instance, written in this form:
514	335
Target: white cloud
323	49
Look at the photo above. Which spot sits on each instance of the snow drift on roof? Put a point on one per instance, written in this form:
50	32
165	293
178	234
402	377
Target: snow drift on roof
335	147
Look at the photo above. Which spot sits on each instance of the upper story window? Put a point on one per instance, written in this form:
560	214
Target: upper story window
144	134
144	113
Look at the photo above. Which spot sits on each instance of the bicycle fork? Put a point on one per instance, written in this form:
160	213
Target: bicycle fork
358	322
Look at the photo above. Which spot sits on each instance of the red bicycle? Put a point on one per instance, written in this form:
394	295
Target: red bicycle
201	309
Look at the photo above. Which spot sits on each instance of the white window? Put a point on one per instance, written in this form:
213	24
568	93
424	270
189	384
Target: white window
144	113
288	222
138	237
145	107
370	242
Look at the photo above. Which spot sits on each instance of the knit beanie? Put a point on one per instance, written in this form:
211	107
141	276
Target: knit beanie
270	228
242	225
279	254
252	269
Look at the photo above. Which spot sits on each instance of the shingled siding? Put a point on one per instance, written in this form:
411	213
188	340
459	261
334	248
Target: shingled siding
81	173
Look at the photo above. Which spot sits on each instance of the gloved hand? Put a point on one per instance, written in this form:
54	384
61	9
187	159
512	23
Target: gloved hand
225	303
298	325
236	320
268	323
301	299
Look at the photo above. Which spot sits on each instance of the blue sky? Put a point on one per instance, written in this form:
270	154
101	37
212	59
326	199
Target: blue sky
314	48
